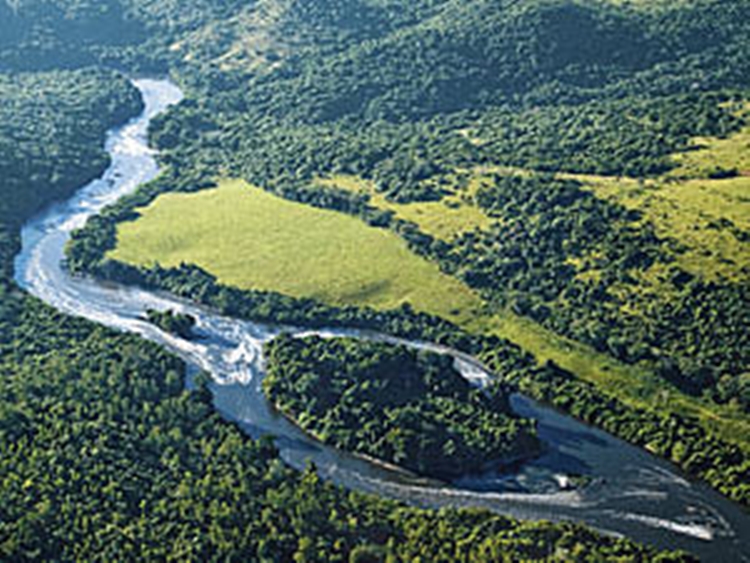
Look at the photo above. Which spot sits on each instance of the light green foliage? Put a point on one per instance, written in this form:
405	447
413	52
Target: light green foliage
252	239
452	215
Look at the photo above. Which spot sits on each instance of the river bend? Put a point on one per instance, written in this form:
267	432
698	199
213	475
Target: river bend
630	492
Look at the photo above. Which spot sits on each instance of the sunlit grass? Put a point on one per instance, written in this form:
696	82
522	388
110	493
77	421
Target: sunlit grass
702	213
443	219
251	239
711	154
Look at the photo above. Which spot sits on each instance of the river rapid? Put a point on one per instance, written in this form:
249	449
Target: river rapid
627	491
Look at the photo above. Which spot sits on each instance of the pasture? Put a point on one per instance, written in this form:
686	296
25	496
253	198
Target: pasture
252	239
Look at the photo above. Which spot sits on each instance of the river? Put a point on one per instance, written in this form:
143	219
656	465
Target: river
629	492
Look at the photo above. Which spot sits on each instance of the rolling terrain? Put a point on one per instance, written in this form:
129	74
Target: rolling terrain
557	187
550	179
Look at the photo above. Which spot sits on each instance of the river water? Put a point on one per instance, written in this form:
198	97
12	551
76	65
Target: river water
628	491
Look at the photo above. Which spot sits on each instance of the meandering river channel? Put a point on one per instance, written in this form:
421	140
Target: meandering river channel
628	491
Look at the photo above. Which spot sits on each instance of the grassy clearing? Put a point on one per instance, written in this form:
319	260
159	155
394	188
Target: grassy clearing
705	215
702	213
269	243
445	219
251	239
698	213
711	154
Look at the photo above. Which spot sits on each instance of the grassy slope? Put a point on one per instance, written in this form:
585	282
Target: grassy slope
681	205
688	206
265	242
443	219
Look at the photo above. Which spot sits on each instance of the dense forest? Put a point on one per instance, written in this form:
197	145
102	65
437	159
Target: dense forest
105	454
409	408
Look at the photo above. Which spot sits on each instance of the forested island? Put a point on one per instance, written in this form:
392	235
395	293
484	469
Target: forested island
172	322
409	408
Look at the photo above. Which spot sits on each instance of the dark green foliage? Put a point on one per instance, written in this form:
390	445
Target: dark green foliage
176	323
405	407
51	130
45	35
105	456
633	136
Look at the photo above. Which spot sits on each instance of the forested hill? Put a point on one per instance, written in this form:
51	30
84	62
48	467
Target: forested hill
500	48
486	53
51	130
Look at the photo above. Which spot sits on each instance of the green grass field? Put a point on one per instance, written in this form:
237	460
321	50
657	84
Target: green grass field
252	239
443	219
249	238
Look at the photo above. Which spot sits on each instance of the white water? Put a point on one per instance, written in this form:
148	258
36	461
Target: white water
631	493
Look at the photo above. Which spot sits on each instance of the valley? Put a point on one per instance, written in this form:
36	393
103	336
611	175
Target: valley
227	226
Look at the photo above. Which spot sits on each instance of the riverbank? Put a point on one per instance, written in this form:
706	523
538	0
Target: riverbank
633	483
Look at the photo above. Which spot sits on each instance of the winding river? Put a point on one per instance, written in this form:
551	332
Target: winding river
629	492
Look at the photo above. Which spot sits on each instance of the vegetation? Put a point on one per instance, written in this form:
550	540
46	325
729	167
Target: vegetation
554	87
106	455
268	243
444	219
405	407
560	256
175	323
415	99
50	141
636	386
